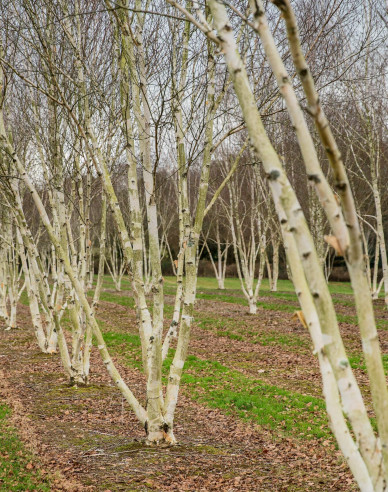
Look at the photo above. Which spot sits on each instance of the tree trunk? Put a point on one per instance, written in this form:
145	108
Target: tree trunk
275	266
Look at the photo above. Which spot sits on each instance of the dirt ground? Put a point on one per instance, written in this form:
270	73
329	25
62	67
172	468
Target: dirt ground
89	439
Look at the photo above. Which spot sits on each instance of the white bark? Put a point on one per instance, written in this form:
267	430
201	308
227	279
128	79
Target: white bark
33	295
353	256
280	187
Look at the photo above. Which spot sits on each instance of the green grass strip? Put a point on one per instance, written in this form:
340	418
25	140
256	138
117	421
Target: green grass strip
226	327
118	298
217	386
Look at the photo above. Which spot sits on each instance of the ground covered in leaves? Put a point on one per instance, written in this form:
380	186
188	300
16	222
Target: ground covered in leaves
250	416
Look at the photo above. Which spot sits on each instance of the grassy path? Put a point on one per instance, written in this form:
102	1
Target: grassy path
229	382
289	413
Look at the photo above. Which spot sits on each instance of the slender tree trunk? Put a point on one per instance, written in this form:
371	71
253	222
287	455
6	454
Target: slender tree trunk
375	289
380	233
275	265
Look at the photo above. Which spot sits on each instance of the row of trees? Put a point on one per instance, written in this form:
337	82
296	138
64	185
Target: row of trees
124	132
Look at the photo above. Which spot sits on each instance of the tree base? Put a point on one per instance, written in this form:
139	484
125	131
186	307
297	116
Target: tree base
78	381
161	438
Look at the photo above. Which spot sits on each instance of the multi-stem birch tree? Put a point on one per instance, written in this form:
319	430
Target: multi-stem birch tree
71	224
364	140
138	137
12	283
221	240
114	260
34	271
249	228
367	455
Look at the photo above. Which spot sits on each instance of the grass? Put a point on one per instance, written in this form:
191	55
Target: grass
127	301
17	465
282	412
122	300
357	362
217	386
207	286
207	290
225	327
24	298
274	408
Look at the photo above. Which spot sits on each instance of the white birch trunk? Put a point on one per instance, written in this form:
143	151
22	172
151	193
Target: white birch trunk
380	233
280	187
33	295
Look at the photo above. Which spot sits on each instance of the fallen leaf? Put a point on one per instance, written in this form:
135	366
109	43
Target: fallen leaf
299	315
334	243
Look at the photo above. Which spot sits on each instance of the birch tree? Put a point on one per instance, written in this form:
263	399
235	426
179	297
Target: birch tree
366	139
12	285
114	261
367	455
138	136
220	261
248	225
